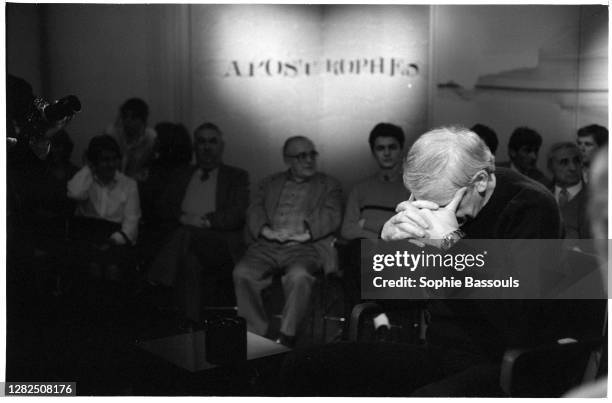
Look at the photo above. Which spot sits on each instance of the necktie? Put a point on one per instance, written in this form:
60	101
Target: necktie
205	175
563	197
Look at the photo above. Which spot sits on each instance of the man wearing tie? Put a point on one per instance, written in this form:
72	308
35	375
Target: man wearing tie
204	207
565	164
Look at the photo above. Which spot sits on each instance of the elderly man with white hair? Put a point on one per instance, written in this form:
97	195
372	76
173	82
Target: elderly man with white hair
451	168
457	192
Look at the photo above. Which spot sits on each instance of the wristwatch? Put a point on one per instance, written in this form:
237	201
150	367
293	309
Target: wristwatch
451	239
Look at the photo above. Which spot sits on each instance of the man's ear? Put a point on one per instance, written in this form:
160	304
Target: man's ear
481	181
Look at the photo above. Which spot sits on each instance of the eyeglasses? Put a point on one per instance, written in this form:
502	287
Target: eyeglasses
302	157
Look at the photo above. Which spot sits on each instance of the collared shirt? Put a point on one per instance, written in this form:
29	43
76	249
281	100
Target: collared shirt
200	196
391	176
585	174
572	191
290	212
116	202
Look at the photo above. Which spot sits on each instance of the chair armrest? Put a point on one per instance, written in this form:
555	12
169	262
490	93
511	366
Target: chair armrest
548	370
357	315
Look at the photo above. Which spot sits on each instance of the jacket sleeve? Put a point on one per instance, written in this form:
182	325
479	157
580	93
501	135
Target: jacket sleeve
326	217
231	215
352	215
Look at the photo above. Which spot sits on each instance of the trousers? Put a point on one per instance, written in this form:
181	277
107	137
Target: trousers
193	261
297	264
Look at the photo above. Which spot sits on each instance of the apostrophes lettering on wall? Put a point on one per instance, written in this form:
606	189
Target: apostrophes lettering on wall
389	66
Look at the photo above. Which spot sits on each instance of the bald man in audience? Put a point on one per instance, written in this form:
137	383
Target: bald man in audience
292	219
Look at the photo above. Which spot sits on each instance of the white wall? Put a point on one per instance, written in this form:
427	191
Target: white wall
336	111
550	60
171	56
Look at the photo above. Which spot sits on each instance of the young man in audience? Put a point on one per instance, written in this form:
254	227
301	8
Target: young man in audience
523	149
589	139
203	209
372	202
107	204
565	164
292	219
135	139
456	193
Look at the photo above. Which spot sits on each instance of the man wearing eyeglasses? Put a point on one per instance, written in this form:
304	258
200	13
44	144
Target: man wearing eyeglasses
292	218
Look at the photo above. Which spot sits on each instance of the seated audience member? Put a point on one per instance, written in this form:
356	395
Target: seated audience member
523	149
292	218
372	202
204	207
172	151
564	162
487	135
108	206
457	193
135	139
598	213
589	139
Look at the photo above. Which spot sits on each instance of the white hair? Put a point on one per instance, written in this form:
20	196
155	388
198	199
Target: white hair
444	160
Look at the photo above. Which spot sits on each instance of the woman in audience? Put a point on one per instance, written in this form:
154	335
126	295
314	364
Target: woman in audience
108	208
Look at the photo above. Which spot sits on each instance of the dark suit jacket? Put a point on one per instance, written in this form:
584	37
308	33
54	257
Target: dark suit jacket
575	215
324	211
534	173
231	200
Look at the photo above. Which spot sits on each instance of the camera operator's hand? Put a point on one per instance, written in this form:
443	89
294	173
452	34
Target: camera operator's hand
59	125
